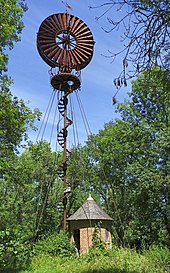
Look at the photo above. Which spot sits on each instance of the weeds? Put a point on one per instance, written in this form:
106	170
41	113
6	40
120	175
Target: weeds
116	260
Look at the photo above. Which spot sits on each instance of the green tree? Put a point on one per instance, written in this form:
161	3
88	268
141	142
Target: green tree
130	163
150	106
15	121
32	188
11	26
30	200
15	116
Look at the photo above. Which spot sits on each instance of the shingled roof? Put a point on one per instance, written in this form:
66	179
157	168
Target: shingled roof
90	211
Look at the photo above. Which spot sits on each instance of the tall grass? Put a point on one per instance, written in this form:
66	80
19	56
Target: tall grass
116	260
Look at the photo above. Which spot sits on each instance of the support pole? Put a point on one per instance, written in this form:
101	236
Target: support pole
65	162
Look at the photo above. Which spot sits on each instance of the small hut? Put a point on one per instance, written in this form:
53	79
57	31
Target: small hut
83	223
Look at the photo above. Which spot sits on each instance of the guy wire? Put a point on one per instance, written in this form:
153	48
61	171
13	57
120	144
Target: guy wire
55	113
84	113
44	115
74	122
84	121
50	107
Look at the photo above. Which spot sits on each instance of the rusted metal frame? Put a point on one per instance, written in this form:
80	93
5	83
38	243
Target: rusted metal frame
85	47
89	40
60	20
45	34
75	54
56	26
49	25
46	27
72	22
80	53
88	49
81	34
68	21
75	25
72	58
60	58
54	52
70	64
60	81
55	18
81	58
65	63
73	43
81	27
64	20
45	46
55	57
75	57
50	49
65	162
50	42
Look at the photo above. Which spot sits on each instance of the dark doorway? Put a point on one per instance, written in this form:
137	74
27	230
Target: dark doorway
77	239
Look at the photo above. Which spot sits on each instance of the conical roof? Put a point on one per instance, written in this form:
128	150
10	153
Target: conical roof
90	211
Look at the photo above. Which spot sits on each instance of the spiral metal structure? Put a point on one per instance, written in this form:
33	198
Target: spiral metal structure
66	83
66	42
62	134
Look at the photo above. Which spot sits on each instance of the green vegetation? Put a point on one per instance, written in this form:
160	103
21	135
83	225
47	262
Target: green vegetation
126	166
116	260
11	12
54	254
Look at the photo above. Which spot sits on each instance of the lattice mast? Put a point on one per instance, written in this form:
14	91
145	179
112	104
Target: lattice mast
65	41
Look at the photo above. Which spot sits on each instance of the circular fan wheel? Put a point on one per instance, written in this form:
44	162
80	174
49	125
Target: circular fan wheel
65	82
65	41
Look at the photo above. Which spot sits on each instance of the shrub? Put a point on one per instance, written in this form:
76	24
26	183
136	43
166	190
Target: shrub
55	245
158	255
14	250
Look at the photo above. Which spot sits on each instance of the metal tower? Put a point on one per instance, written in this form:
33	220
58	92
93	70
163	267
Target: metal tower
66	42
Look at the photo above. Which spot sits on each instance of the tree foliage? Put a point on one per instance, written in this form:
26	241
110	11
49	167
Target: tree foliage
16	119
31	187
145	33
11	12
30	200
128	163
15	116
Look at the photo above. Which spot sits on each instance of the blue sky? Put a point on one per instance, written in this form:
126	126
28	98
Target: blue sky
30	72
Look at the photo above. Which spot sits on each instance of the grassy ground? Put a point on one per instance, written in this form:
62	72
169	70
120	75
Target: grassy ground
156	260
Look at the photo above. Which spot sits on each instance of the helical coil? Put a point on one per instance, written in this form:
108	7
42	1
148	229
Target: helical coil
62	134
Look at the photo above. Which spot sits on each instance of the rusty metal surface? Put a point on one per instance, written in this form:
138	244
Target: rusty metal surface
62	140
65	41
65	82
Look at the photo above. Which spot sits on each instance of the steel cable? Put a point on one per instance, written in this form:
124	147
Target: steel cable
54	93
44	115
84	113
84	121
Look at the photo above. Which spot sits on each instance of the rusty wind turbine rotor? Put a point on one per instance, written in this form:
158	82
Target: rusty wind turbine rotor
65	41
